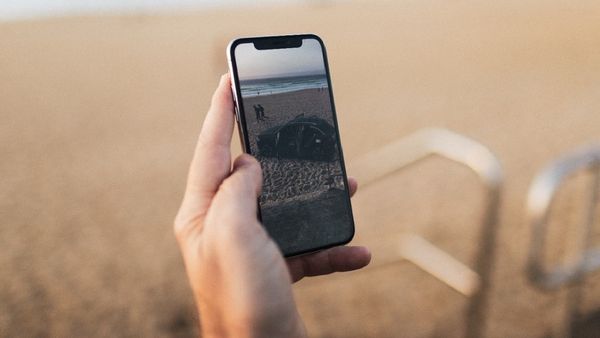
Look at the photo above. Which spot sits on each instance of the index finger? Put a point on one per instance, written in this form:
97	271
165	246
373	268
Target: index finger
212	157
218	123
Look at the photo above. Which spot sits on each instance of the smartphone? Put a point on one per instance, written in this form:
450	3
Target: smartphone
286	118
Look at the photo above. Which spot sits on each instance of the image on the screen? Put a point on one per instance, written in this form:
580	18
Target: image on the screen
290	126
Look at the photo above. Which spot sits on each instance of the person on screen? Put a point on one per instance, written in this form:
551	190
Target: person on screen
262	111
257	112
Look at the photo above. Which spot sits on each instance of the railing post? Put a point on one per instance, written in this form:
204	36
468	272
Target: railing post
539	202
401	154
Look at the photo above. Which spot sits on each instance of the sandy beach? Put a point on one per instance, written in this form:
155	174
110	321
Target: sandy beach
101	116
297	191
284	107
280	109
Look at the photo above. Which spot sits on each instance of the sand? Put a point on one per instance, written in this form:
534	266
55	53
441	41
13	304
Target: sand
100	116
311	176
284	107
303	201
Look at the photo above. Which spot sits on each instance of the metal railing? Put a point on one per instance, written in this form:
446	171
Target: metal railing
473	283
539	202
542	193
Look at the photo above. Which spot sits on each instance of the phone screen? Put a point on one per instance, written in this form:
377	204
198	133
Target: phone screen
288	117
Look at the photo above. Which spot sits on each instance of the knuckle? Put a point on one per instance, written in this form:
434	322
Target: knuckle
229	186
178	227
183	225
180	231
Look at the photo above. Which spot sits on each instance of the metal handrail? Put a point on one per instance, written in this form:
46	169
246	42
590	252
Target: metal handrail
423	143
441	142
539	202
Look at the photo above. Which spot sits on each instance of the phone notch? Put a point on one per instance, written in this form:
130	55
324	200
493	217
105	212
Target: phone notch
278	42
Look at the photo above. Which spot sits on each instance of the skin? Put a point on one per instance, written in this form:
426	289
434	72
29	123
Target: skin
241	283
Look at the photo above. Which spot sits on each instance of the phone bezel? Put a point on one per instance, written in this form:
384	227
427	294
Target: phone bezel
287	41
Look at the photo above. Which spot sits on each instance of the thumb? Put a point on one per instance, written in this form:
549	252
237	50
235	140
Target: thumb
236	200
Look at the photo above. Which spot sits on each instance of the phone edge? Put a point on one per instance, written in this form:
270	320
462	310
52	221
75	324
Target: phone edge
236	94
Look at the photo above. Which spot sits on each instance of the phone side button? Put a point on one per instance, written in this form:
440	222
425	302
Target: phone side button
236	113
241	136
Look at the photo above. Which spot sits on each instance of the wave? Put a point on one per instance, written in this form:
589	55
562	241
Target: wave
282	85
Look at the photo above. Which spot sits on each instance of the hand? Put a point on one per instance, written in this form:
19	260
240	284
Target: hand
240	280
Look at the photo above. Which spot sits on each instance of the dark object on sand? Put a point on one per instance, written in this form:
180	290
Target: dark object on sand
259	110
307	138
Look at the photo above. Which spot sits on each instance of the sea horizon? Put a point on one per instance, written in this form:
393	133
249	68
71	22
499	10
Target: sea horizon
270	86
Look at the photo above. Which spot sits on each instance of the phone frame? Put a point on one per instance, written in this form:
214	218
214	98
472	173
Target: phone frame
286	41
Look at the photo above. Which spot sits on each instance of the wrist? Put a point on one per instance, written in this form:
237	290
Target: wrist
222	327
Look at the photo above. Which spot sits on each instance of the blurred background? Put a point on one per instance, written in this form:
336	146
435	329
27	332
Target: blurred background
101	103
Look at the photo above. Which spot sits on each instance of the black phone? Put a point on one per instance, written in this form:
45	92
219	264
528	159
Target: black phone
286	119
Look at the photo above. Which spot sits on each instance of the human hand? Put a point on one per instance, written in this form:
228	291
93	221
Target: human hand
240	280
